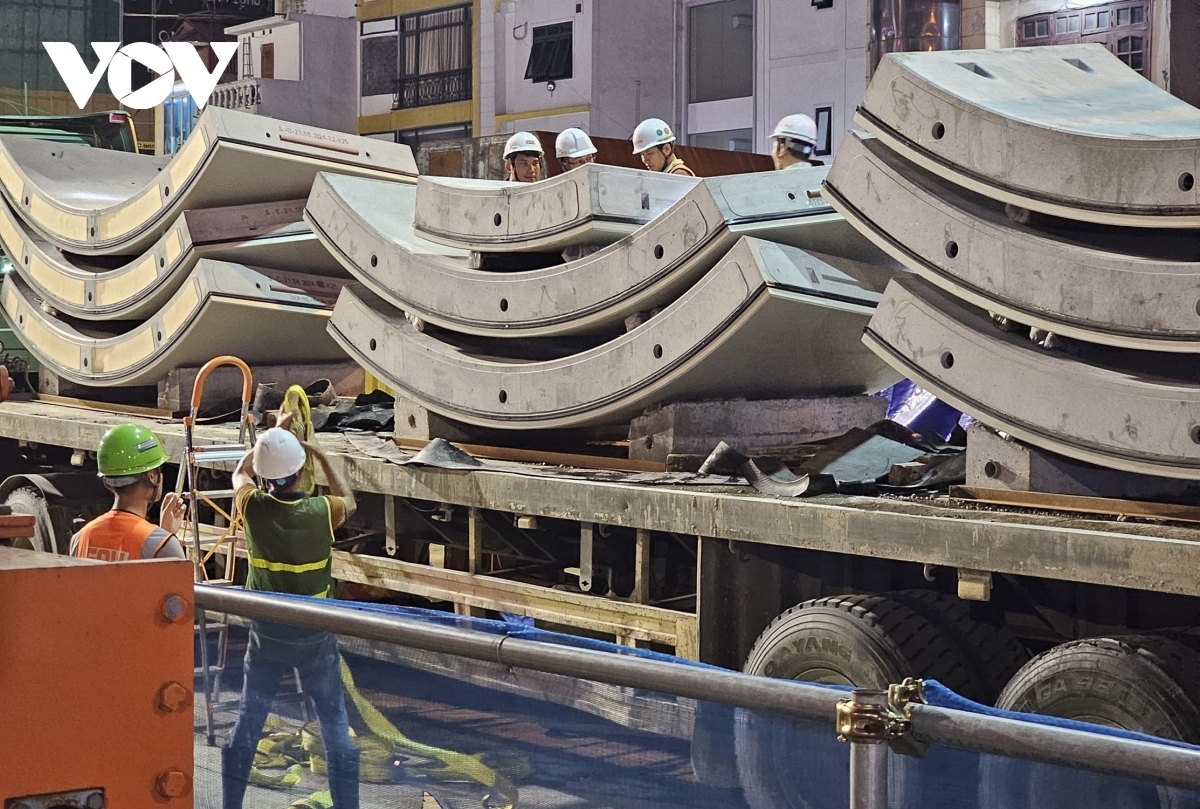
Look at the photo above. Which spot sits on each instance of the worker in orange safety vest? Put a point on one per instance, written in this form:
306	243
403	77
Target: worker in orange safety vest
130	458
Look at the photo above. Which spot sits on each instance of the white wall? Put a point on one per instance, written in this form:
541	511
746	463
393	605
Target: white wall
809	58
548	123
522	17
286	37
329	8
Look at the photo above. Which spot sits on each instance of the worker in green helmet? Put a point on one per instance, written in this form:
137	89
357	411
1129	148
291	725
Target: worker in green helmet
130	459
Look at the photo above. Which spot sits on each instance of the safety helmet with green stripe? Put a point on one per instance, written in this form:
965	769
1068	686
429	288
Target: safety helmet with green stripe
127	451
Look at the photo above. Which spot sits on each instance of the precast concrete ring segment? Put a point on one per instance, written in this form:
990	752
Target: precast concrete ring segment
769	321
223	308
264	235
1122	287
1067	130
1135	411
592	204
367	225
97	201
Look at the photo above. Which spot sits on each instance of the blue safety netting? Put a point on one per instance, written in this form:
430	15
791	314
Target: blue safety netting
440	731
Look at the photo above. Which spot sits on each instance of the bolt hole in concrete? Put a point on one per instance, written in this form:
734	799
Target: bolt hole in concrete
258	286
991	469
85	362
504	304
503	396
26	200
947	359
791	196
1186	181
951	249
657	352
658	251
158	335
167	191
412	421
939	131
373	343
374	261
162	262
89	297
92	232
497	219
1195	433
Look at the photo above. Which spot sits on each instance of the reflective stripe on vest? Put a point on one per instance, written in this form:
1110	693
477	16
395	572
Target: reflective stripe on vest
282	567
117	536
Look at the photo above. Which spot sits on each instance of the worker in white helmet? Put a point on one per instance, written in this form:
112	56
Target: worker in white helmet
574	149
654	142
523	158
793	142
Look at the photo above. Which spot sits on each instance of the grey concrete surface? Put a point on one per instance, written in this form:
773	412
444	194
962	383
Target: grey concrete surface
1132	288
264	235
97	201
223	308
593	204
367	224
1131	410
768	322
1069	130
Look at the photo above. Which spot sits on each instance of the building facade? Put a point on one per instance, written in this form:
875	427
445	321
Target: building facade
723	72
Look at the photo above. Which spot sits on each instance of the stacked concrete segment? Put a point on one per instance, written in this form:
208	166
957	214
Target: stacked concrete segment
1039	195
767	321
1068	130
368	226
127	266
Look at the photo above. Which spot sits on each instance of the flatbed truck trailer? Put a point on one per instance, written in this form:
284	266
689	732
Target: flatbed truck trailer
836	588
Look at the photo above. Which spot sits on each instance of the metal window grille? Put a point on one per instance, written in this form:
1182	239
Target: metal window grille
434	58
552	56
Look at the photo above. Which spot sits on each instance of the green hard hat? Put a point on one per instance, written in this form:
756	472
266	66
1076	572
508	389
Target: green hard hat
128	450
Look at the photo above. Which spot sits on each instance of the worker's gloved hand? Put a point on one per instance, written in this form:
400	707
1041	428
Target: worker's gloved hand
172	513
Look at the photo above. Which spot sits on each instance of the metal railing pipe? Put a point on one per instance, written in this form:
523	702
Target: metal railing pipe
1110	755
801	700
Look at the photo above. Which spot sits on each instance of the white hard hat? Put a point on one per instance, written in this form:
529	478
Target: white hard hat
573	142
278	454
522	142
651	132
797	127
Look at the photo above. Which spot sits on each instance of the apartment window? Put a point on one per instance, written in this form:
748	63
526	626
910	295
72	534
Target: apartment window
1121	27
552	55
380	56
720	51
434	58
824	121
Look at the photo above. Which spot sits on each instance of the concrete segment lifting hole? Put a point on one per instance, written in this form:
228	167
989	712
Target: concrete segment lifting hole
939	130
951	249
1186	181
991	469
497	219
947	359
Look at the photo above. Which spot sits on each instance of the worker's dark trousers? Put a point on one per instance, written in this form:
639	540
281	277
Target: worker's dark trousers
267	661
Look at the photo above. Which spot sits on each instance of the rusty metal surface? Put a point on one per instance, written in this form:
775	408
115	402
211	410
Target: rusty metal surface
367	224
266	235
1069	278
1129	410
97	201
747	328
129	727
1068	130
593	204
1162	558
222	308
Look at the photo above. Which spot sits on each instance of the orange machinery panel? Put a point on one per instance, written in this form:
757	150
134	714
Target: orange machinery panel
95	681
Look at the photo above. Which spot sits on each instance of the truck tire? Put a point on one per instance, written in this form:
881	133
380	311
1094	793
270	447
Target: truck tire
1146	684
993	653
1143	683
868	641
30	500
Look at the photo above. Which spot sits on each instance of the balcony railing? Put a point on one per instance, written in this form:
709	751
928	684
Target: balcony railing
432	88
243	95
